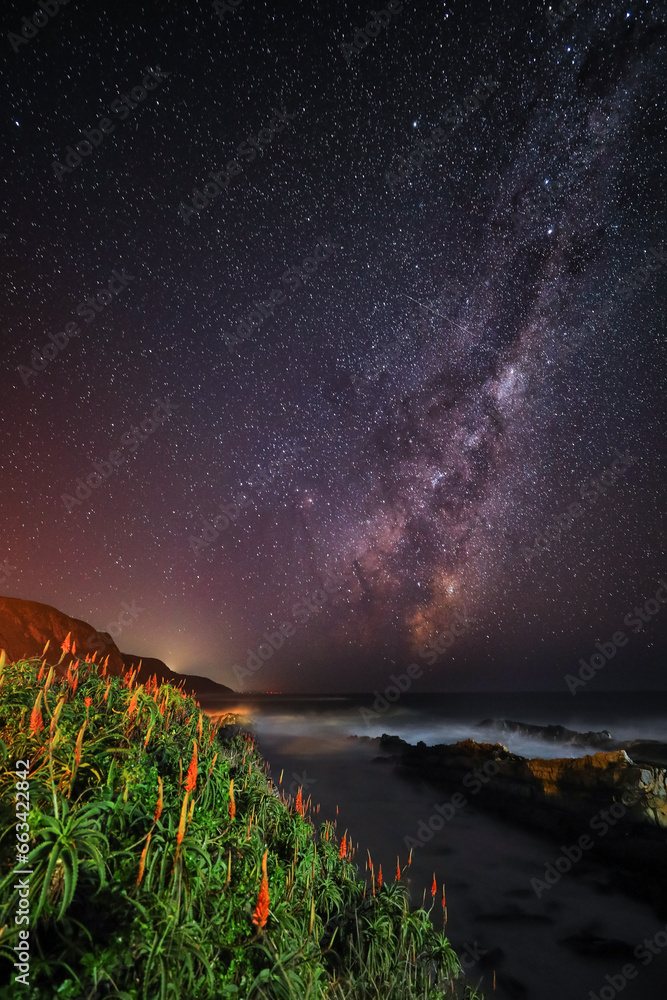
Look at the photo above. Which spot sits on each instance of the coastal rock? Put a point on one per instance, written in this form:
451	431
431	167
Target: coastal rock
621	804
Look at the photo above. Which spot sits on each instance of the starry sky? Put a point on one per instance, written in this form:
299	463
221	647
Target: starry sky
476	336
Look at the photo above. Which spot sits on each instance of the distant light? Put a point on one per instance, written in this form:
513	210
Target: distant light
414	124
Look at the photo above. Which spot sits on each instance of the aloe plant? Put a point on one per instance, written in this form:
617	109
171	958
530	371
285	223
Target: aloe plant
160	871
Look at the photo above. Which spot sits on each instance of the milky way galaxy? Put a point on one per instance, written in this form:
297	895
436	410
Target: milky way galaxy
406	301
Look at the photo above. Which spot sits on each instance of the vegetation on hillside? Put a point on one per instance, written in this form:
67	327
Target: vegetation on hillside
166	864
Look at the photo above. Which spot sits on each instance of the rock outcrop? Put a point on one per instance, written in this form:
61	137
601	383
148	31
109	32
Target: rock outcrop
556	788
26	627
622	804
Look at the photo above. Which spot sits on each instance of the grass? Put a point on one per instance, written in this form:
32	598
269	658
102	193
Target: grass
166	863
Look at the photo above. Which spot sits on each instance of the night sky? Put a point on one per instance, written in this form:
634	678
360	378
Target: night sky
477	333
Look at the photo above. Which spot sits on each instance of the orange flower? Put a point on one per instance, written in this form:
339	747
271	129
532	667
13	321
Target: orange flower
88	702
343	847
36	720
158	808
299	803
73	649
379	878
66	643
132	707
434	887
232	803
191	776
184	813
261	914
72	678
444	901
142	860
56	715
79	744
398	871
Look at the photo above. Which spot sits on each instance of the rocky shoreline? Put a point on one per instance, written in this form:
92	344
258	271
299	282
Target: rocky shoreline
616	801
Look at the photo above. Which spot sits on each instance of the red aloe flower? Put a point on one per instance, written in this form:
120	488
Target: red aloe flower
66	643
184	814
434	887
299	803
379	878
88	701
36	720
261	914
343	847
142	860
191	776
232	803
158	808
398	871
132	707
